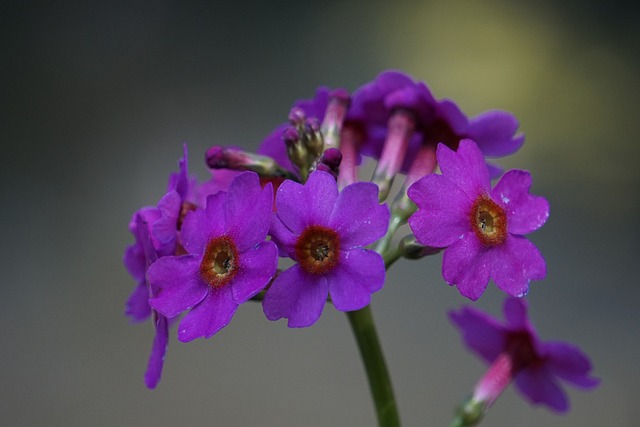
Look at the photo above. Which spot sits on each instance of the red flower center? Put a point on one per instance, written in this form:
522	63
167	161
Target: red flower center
489	221
220	262
318	249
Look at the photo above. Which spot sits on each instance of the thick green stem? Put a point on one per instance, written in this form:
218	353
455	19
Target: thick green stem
379	381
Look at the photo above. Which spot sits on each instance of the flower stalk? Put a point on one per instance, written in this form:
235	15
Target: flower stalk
366	336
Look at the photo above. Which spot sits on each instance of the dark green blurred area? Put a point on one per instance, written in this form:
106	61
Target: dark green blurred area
97	100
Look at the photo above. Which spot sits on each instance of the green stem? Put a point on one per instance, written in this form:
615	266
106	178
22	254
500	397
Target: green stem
379	381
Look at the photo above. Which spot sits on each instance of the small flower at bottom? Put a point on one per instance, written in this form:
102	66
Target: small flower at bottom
325	231
228	260
481	228
515	353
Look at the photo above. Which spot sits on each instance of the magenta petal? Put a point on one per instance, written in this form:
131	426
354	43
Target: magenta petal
360	273
465	265
166	227
569	363
525	212
358	217
178	282
137	307
515	263
310	204
248	210
515	314
494	131
283	237
453	116
297	296
443	214
201	225
212	314
538	386
158	350
257	267
466	168
481	333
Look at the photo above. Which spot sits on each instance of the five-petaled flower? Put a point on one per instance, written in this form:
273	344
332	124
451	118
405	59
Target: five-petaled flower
228	260
481	228
325	231
515	353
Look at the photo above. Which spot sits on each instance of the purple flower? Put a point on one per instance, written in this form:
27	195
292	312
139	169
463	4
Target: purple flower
480	228
325	231
435	122
228	260
515	352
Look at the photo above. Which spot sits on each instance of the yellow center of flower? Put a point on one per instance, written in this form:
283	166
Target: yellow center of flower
489	221
318	249
219	262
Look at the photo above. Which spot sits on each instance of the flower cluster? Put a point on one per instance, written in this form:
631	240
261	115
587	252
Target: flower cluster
209	247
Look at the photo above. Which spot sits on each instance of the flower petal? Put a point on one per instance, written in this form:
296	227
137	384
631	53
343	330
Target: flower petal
537	385
569	363
165	228
466	168
483	334
494	131
178	283
310	204
358	217
525	212
515	263
360	272
283	237
158	350
465	265
297	296
201	225
257	267
515	313
212	314
137	307
248	210
443	214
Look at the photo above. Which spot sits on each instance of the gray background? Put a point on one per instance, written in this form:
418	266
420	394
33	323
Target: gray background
98	98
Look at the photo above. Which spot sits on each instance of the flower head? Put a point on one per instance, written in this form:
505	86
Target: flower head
481	228
324	231
228	260
435	121
515	353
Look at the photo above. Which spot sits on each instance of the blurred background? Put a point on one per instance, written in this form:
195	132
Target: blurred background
97	99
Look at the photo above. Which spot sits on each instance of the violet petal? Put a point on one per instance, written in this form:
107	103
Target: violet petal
525	212
360	273
483	334
358	217
569	363
213	313
465	167
248	210
538	387
443	214
178	282
295	295
158	351
258	265
464	264
515	263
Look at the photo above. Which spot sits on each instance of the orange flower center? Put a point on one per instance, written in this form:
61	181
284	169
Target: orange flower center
318	249
489	221
220	262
